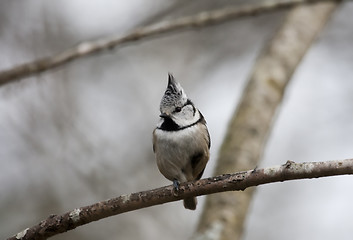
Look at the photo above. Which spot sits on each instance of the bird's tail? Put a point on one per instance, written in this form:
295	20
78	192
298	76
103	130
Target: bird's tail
190	203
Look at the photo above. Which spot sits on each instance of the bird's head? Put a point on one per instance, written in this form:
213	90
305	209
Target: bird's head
176	106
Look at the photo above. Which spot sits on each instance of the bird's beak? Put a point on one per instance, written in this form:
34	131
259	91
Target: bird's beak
164	115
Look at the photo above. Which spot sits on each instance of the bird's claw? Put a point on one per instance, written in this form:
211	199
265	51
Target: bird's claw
176	186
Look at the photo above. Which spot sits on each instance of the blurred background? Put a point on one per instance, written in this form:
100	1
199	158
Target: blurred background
82	133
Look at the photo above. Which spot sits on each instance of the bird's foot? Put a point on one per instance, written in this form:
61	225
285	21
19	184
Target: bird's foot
254	170
176	185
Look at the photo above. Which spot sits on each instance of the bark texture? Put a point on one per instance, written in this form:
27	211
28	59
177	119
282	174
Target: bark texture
224	214
56	224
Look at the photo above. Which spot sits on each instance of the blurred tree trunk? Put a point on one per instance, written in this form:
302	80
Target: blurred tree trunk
224	213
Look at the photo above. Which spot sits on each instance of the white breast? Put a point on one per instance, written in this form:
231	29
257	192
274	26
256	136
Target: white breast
174	149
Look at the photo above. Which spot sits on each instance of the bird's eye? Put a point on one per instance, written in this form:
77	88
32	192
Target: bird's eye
178	109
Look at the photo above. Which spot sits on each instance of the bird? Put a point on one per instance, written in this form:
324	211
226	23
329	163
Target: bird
181	141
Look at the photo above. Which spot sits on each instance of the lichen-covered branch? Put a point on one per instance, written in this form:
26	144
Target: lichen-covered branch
247	133
56	224
91	47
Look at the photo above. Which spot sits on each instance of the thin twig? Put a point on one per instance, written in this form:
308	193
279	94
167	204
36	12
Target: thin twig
56	224
92	47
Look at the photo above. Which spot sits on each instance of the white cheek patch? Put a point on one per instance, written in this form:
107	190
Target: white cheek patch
184	119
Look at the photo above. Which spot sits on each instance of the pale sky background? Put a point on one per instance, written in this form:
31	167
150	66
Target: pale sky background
82	133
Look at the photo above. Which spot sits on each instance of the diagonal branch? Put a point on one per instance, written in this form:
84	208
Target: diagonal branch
56	224
202	19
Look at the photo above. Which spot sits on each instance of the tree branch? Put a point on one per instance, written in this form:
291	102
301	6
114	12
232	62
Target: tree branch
92	47
56	224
